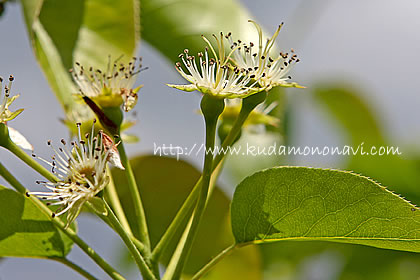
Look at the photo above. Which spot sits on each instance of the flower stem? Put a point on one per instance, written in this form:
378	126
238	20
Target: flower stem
211	108
59	224
249	104
112	220
75	267
31	162
213	262
138	206
115	203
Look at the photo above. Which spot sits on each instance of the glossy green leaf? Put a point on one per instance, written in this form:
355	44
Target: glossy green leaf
362	127
164	184
65	31
299	203
26	231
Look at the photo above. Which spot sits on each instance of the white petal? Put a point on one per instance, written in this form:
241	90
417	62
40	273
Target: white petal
19	139
114	159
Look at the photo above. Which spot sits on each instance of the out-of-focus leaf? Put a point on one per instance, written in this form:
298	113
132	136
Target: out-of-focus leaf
242	264
300	203
361	126
164	184
25	231
253	152
173	25
256	147
65	31
288	259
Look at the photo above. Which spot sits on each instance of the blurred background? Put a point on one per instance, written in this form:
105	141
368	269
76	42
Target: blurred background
367	49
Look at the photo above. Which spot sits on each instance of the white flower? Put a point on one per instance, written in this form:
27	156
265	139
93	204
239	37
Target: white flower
7	115
110	88
215	76
269	71
81	169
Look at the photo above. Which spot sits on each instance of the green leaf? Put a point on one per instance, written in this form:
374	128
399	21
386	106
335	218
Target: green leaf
299	203
65	31
164	183
26	231
360	125
174	25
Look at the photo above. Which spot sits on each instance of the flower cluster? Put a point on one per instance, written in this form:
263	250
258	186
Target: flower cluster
81	170
110	88
245	70
216	76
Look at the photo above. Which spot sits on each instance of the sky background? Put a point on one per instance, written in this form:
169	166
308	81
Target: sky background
373	45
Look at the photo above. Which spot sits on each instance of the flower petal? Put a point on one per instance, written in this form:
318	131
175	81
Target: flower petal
19	139
187	88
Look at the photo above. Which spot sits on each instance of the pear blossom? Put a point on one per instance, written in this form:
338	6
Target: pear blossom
270	71
110	88
215	76
81	170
